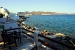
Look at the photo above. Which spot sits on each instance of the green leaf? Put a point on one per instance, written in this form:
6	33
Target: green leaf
2	27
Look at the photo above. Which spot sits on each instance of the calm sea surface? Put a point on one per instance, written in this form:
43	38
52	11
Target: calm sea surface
54	23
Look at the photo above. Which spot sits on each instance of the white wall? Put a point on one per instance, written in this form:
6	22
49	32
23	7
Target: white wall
3	11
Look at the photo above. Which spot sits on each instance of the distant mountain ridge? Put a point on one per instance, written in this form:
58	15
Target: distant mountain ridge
39	13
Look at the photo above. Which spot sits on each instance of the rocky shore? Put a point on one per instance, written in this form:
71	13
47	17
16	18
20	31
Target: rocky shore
57	36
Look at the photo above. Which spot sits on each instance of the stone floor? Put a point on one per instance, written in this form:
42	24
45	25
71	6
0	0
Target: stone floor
24	41
13	47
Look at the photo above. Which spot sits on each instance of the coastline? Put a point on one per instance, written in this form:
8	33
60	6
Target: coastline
52	23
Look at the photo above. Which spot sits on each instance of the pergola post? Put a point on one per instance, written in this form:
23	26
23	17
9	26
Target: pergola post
36	39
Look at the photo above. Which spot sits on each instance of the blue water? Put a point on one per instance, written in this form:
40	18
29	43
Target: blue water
54	23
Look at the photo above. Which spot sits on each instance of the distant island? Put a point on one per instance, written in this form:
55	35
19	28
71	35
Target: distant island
26	13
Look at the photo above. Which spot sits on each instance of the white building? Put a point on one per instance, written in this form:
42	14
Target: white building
4	11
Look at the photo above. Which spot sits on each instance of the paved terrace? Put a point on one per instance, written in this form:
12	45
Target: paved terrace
24	41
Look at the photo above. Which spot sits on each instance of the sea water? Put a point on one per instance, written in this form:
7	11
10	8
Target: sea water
53	23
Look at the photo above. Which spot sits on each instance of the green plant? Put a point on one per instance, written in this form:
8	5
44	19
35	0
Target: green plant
1	15
2	27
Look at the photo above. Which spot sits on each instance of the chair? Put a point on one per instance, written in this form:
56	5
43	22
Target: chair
17	35
15	32
8	39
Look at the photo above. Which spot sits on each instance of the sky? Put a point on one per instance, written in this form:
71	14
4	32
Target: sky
39	5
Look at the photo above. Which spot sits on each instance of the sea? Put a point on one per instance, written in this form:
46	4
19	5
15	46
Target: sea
53	23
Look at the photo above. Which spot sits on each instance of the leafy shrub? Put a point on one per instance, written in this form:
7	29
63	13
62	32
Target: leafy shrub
1	15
